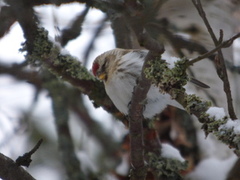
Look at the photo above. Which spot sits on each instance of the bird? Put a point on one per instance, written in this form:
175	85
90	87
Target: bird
119	70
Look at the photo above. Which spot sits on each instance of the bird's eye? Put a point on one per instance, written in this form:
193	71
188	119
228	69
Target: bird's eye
95	67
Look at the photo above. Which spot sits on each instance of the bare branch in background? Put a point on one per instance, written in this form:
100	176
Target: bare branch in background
90	46
219	60
223	44
61	115
7	19
123	34
75	29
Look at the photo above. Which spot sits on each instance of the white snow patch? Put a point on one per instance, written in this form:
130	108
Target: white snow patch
212	169
235	125
169	151
216	112
64	52
171	61
123	168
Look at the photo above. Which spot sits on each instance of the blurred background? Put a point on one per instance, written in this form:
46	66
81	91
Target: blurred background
26	113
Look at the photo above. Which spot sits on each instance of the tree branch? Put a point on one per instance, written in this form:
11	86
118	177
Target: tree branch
25	160
60	109
136	121
223	44
11	171
75	29
139	95
7	19
90	46
219	60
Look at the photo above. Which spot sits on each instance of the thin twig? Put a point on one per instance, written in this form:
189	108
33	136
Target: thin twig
224	44
75	29
219	60
90	46
25	160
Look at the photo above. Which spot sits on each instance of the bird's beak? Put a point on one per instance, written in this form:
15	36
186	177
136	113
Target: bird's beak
102	76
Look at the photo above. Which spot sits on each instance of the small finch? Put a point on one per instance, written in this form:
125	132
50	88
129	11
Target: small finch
119	70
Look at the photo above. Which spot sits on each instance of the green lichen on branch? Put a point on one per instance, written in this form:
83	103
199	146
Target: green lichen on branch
47	53
195	105
172	81
222	131
228	136
210	124
168	80
166	167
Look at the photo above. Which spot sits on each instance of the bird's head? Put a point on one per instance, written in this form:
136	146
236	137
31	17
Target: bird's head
99	68
106	64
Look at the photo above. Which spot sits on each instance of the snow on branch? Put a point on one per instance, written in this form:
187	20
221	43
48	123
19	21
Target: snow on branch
214	119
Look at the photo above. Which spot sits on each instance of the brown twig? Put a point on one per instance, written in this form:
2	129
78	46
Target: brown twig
136	23
136	108
136	122
90	46
7	19
25	160
219	60
223	44
75	28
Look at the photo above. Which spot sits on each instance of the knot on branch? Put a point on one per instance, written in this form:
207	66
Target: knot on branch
25	160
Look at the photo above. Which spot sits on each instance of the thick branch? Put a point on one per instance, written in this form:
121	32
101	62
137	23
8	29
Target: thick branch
123	34
136	121
7	19
136	118
11	171
137	102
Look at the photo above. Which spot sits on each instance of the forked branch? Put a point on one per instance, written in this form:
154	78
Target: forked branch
219	60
